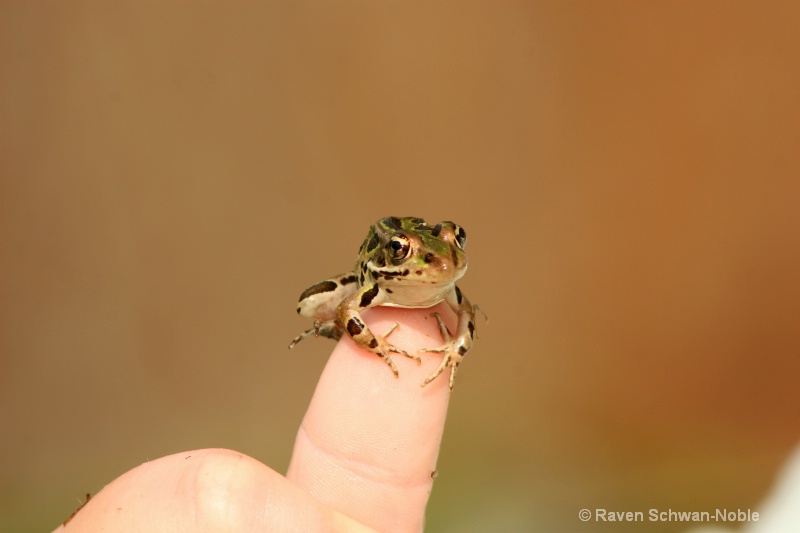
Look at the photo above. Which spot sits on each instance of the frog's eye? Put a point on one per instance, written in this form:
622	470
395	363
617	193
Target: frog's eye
399	246
461	236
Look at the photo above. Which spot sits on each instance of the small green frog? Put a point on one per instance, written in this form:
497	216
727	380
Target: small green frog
403	262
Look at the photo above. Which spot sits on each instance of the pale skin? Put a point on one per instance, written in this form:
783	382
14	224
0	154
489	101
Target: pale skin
363	458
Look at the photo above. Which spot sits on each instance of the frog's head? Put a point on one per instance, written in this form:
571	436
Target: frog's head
406	251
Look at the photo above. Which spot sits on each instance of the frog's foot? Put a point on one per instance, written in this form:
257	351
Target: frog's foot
452	356
383	348
329	328
451	359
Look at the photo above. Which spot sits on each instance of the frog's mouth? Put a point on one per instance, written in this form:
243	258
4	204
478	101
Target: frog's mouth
442	274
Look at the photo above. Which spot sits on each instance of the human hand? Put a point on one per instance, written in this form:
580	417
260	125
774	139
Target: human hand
364	458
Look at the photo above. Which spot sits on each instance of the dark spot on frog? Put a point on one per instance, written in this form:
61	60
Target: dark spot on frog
437	229
348	279
373	243
462	350
458	259
354	326
429	257
458	295
389	291
373	343
368	296
361	278
471	328
387	274
393	222
322	286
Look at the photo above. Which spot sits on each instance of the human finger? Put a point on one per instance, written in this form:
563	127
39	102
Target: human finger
210	490
369	442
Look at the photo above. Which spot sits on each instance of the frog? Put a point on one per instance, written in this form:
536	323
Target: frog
403	262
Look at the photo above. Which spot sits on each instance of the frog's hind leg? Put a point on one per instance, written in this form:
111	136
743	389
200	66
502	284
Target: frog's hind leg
329	328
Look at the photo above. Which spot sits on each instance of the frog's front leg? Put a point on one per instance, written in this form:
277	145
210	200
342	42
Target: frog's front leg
454	349
349	317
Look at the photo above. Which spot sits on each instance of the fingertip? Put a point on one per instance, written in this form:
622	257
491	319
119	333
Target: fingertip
380	434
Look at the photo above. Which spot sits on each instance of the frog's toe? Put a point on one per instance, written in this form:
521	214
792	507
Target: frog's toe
388	360
442	328
414	356
391	330
453	370
430	350
404	353
302	336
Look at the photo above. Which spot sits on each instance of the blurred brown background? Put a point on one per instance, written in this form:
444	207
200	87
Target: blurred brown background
175	174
